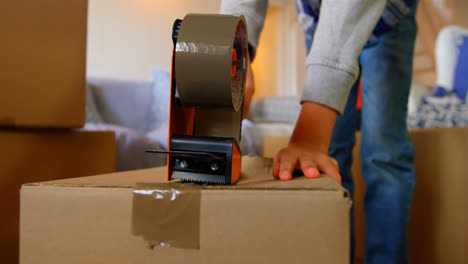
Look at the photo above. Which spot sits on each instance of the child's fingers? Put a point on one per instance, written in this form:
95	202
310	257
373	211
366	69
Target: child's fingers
287	163
276	164
286	170
311	163
276	170
329	166
309	167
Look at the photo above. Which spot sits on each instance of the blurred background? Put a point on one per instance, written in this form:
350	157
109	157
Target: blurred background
127	38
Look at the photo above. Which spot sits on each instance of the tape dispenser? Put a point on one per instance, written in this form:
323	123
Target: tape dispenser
209	67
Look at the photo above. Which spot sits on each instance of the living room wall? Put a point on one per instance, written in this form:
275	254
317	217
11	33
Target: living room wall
127	38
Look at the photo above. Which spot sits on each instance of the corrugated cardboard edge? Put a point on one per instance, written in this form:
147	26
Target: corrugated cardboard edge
256	175
202	187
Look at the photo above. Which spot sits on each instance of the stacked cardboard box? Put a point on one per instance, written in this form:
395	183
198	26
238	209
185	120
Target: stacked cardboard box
29	155
42	99
43	65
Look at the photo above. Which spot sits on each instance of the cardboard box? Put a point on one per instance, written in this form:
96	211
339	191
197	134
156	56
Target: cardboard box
438	230
29	156
259	220
271	145
43	63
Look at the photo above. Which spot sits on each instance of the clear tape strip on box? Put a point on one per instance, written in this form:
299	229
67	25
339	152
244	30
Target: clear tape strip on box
167	214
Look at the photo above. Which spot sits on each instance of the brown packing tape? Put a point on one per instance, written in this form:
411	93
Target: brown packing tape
218	123
210	60
167	214
210	69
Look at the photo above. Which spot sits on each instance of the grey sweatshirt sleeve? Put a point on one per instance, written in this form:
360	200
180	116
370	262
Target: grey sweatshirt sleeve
332	64
254	12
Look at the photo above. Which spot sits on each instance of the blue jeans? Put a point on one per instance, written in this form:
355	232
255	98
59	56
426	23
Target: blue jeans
386	151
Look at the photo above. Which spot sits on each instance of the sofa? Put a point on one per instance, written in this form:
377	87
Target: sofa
138	113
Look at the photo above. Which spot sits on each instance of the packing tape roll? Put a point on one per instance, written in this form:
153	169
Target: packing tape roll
210	61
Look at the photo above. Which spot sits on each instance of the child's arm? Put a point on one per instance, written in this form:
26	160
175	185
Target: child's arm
332	68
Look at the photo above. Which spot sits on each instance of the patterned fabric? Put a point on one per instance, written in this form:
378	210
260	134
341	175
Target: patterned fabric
309	10
441	109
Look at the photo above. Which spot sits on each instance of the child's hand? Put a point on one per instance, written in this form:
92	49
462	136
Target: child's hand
308	147
304	158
